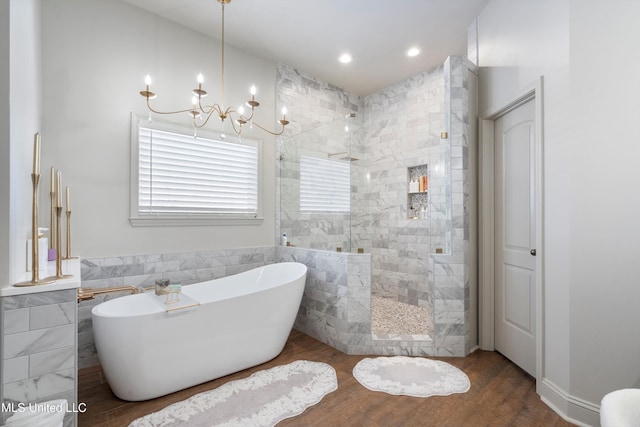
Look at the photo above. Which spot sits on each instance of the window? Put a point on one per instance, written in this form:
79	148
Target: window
324	185
181	179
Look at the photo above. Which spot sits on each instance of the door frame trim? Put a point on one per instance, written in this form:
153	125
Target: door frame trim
486	238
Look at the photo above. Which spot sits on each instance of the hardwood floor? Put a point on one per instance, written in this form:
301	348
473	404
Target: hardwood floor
501	394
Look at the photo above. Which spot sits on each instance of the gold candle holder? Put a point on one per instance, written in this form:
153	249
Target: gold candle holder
52	195
35	268
59	274
52	226
68	255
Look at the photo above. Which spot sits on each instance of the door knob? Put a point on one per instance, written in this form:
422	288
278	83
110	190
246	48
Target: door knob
532	252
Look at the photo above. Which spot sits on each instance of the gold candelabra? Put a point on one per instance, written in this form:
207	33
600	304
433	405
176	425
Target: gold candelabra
35	180
59	274
68	254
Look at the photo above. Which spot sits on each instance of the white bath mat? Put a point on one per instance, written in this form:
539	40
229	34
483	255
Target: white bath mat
411	376
263	399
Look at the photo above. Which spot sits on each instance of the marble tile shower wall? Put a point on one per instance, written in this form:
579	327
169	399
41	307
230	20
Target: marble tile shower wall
397	120
336	306
451	280
38	349
143	270
318	129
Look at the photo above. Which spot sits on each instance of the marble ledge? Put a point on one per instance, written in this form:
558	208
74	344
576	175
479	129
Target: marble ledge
71	267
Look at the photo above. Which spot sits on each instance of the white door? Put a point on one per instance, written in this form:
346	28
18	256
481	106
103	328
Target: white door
515	266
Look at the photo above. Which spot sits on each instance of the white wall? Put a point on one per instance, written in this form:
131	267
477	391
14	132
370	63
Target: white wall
604	178
19	121
518	43
5	164
95	57
585	49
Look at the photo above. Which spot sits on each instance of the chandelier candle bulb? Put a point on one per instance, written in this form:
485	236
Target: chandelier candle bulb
283	121
53	180
68	201
147	92
199	92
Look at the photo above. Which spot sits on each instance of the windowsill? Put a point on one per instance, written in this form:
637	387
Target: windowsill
193	221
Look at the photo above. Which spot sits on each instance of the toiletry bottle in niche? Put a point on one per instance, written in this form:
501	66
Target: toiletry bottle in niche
283	239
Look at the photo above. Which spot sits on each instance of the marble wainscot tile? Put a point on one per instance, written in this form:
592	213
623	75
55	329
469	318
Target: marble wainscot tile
16	320
25	343
37	299
51	361
195	262
47	316
15	369
38	389
39	350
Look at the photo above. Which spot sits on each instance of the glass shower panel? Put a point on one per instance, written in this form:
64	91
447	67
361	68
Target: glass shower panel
439	184
316	170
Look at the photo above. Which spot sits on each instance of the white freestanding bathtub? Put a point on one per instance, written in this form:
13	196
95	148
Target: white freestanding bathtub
242	321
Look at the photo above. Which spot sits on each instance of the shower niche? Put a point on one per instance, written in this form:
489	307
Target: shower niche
417	192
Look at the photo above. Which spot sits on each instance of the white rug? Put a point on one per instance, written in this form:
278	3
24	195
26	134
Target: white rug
411	376
263	399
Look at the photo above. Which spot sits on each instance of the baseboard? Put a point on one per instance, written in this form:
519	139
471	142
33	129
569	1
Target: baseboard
570	408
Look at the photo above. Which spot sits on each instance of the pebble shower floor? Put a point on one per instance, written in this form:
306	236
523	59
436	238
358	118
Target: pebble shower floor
391	319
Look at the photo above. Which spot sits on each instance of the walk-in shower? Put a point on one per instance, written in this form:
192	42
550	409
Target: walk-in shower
338	161
392	183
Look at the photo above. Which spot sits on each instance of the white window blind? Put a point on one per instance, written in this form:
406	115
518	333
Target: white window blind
182	175
324	185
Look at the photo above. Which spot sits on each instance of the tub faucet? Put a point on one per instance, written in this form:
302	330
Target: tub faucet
90	293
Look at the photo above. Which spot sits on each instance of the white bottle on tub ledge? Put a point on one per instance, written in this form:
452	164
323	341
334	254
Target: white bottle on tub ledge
283	239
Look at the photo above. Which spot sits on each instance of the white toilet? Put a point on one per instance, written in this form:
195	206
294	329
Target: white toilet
621	408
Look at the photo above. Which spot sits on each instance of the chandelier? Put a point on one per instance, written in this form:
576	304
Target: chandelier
202	113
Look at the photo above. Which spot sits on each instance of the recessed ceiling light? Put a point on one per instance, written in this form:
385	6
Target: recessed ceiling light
414	51
345	58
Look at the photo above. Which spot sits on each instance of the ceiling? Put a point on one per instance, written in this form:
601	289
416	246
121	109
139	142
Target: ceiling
311	35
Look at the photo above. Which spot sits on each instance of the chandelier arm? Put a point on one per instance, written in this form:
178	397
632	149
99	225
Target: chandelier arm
250	118
268	131
233	125
166	112
205	121
209	109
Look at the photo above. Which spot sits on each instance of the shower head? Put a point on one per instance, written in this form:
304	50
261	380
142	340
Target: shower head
346	158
